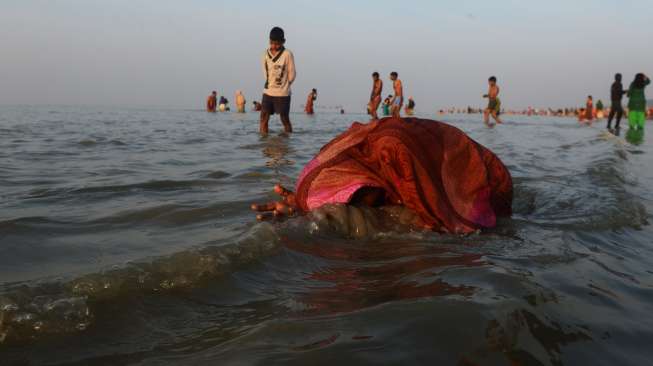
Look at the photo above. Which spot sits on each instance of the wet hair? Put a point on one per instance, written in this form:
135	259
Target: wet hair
617	77
639	81
589	97
492	79
394	73
375	74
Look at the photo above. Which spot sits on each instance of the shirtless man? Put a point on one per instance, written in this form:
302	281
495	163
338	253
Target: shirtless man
494	105
398	99
375	97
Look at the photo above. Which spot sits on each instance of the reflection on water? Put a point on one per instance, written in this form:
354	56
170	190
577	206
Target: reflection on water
126	238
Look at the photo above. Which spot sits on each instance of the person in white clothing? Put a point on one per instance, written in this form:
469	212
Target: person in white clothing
279	72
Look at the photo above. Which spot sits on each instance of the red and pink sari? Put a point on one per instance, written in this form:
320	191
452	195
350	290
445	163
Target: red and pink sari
453	183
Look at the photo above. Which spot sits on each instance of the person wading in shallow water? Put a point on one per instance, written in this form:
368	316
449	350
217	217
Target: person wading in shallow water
398	99
212	102
375	97
494	103
312	96
279	71
637	102
616	108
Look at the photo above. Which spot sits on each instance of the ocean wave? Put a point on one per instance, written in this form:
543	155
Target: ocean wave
29	312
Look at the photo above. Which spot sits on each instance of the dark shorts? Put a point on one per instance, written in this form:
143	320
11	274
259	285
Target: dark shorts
616	106
278	105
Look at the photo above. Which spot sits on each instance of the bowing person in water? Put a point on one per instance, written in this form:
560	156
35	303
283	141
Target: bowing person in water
430	174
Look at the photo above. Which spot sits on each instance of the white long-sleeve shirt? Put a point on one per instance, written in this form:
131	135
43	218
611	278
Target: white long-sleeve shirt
279	72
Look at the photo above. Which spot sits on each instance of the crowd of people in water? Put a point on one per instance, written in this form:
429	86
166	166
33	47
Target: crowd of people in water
365	165
279	71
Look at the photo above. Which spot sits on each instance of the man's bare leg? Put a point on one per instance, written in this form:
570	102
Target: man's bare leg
372	110
263	127
486	117
285	119
496	117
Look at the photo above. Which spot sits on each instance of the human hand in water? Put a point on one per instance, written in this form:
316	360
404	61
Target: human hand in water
287	206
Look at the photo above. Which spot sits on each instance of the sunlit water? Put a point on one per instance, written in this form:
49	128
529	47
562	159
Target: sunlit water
126	238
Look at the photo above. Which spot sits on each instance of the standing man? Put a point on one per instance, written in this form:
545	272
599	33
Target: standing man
312	96
494	104
616	108
398	99
375	97
279	72
212	102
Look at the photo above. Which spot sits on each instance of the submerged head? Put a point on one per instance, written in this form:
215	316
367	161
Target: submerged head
277	39
394	75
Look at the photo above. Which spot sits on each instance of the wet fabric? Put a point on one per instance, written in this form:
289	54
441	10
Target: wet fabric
637	119
453	183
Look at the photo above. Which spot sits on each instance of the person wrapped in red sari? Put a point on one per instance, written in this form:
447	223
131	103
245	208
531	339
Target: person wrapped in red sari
310	100
450	182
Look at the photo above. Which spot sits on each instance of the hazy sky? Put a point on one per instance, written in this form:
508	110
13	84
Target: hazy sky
173	53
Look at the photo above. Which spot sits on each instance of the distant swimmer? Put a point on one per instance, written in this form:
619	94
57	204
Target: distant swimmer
599	109
398	99
410	107
375	96
637	102
386	105
257	106
240	102
342	111
224	104
312	96
212	102
616	108
589	109
279	71
494	103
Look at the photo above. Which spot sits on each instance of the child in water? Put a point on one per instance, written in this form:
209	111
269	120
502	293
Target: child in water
279	71
386	105
494	104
